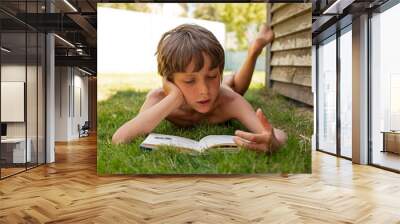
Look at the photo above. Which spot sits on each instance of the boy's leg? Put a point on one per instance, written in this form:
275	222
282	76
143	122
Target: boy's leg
241	79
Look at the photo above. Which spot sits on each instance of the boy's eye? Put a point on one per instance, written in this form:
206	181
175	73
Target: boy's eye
189	81
212	76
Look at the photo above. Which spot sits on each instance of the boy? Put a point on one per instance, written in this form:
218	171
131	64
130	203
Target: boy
191	61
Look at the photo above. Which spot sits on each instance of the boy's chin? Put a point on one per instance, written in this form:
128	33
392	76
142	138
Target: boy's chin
202	110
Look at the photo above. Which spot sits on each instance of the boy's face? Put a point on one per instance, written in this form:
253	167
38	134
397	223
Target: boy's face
201	88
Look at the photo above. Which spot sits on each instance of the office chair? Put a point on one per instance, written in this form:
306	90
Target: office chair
84	130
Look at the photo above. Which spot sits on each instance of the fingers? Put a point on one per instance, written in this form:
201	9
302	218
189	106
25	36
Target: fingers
251	136
166	80
264	138
165	86
263	119
250	145
168	86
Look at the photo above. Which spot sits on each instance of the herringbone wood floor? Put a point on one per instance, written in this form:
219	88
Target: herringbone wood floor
69	191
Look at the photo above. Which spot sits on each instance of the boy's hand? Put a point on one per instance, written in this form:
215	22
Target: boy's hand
266	33
171	88
264	141
264	37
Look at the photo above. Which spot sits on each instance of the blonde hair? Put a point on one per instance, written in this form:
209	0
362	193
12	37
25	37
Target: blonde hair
180	45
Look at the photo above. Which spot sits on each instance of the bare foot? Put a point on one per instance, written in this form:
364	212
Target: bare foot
264	37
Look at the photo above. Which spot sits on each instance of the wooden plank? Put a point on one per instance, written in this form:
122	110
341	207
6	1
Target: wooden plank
302	79
295	75
296	92
276	6
300	57
283	74
291	10
293	25
291	51
268	55
296	41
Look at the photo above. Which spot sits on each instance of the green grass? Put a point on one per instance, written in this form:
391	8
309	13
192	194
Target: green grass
294	157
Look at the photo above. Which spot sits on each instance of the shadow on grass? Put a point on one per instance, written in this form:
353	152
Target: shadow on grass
294	157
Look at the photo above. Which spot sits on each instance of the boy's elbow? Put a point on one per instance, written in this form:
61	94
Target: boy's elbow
119	138
116	139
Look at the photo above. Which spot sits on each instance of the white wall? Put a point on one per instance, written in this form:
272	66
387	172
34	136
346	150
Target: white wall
68	81
62	81
80	83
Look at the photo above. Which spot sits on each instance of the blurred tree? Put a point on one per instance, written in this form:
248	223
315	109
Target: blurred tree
140	7
236	16
185	8
209	11
145	7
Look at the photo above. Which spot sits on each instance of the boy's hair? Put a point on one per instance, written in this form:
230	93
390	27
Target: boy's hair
180	45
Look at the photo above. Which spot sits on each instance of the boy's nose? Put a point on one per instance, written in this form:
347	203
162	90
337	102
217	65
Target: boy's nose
203	89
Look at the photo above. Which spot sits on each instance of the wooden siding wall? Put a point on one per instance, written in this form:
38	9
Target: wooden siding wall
290	52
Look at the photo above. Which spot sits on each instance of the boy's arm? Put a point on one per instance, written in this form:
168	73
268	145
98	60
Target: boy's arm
244	113
262	135
150	115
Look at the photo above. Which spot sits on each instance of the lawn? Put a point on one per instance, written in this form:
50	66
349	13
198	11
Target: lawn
119	106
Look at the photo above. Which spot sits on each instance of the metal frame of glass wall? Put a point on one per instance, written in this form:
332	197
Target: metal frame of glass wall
334	37
34	114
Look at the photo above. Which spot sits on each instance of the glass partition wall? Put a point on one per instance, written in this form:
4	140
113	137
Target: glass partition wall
327	96
13	87
346	95
22	87
385	89
334	89
334	98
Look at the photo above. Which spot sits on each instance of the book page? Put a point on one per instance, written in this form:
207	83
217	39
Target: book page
217	140
171	140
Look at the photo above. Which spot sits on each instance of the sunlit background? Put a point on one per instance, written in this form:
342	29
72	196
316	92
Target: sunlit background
128	34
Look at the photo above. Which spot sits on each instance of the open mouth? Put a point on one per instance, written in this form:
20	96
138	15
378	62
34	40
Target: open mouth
203	101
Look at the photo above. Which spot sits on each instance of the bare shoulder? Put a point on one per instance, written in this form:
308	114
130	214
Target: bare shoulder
229	101
227	94
237	107
229	97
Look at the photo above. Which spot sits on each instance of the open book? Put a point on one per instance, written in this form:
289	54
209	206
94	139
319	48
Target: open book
219	142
